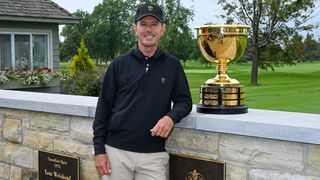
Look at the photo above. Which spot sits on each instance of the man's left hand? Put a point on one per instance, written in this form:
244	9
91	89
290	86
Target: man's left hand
163	127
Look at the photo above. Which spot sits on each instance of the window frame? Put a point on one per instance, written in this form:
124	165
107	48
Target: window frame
30	33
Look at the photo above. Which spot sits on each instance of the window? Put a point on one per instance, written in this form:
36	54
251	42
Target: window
40	51
24	50
5	51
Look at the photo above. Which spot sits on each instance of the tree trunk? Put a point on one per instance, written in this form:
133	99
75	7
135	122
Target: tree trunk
255	67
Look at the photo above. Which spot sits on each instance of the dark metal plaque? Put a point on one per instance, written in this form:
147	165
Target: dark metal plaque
57	167
187	168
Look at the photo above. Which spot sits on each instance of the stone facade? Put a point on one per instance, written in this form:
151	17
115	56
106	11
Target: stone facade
63	125
24	133
249	158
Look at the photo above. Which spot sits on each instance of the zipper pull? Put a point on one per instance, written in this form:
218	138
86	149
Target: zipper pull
147	68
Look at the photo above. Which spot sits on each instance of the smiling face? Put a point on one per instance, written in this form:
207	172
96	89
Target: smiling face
149	30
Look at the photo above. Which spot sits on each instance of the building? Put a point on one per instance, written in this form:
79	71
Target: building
29	33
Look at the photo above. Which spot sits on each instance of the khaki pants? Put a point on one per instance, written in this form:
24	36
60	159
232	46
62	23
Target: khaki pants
126	165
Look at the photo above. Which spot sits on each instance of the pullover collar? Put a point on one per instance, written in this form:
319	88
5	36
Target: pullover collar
157	55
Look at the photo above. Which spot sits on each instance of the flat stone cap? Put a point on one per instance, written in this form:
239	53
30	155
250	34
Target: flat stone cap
288	126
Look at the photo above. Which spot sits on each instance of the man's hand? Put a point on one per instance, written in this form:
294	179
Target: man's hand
163	127
102	164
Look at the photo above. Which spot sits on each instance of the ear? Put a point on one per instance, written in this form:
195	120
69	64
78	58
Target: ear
163	29
134	27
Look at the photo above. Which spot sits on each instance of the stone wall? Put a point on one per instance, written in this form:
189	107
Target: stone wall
255	146
250	157
23	133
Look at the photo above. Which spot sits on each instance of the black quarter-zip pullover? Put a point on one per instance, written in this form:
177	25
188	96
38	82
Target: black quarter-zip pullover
137	91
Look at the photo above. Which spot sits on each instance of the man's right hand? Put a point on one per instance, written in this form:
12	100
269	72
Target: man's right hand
102	164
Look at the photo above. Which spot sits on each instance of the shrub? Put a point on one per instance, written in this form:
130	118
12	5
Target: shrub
82	62
85	77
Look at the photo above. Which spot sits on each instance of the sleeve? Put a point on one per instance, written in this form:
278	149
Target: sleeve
181	96
104	110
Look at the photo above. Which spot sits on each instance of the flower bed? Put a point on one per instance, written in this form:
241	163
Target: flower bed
23	78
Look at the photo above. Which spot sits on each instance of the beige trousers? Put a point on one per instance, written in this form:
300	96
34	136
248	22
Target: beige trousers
127	165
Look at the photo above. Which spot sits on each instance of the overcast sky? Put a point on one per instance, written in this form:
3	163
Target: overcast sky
205	10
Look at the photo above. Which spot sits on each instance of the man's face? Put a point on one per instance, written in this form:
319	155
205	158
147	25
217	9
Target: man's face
149	31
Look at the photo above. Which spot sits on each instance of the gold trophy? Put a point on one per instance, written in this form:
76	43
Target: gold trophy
222	44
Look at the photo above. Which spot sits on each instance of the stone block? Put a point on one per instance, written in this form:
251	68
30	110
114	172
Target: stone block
4	171
314	159
1	126
38	140
14	113
12	130
88	171
35	159
53	123
264	153
235	173
81	129
15	173
28	174
258	174
193	139
16	155
73	148
1	120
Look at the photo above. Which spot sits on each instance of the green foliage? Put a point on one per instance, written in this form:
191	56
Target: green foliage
111	33
108	30
288	88
177	39
73	34
85	78
271	22
41	76
307	49
82	62
84	84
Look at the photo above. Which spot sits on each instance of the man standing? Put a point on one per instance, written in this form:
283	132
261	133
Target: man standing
134	114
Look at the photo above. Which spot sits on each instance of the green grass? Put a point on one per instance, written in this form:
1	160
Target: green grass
290	88
64	65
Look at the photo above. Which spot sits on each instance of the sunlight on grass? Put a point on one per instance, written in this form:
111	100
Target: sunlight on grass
291	88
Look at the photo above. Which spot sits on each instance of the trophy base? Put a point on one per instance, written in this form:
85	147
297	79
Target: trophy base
222	109
222	99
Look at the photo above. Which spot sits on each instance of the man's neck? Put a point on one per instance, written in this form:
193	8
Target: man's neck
148	51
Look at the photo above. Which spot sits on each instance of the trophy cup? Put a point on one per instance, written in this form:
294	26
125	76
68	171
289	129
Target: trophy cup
222	44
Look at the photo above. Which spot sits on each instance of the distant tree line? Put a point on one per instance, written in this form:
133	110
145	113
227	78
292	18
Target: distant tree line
273	35
108	32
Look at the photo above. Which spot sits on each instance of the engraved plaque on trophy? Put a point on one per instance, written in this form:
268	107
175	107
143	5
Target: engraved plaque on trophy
222	44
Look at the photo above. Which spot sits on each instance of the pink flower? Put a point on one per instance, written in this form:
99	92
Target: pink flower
7	70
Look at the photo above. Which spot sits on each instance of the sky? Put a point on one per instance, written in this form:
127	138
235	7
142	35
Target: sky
205	10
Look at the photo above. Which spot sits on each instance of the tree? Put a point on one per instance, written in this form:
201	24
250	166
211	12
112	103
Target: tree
108	30
82	62
178	37
74	32
111	33
271	22
311	48
296	47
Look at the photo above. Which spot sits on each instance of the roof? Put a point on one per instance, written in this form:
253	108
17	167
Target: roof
35	11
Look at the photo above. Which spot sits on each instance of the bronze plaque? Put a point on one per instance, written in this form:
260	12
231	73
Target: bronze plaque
55	166
187	168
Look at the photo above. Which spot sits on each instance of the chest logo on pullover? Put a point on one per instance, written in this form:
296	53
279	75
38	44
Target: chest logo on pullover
163	81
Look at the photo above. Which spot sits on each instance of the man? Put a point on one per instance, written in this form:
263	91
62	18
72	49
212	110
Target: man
134	115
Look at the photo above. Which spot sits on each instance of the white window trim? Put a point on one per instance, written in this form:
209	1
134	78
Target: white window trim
14	31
